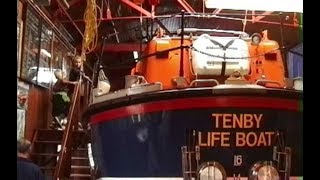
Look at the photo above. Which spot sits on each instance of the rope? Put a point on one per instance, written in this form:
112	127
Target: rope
90	39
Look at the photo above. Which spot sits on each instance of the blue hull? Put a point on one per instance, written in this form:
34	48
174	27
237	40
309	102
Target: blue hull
145	139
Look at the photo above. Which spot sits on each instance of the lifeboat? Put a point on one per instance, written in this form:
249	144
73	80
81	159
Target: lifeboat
200	106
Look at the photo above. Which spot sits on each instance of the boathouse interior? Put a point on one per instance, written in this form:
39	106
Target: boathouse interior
50	33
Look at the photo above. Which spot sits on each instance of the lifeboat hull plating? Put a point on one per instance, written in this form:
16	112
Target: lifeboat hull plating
143	137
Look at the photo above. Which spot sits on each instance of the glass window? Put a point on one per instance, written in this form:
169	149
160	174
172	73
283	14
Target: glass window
45	75
59	54
67	62
29	61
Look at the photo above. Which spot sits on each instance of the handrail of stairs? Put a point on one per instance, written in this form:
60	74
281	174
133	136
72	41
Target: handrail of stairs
67	143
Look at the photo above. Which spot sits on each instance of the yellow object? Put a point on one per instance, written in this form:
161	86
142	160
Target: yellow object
90	38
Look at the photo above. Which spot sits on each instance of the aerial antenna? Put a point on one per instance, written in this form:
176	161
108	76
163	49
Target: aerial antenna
98	65
282	47
181	44
141	32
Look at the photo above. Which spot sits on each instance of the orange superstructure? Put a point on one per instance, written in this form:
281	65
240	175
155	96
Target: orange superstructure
212	57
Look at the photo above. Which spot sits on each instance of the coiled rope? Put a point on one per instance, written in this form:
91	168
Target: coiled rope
90	39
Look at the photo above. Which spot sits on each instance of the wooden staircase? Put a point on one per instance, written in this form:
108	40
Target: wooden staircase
46	154
71	160
80	166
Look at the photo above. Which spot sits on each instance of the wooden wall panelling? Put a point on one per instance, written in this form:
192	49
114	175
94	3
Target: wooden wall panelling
38	109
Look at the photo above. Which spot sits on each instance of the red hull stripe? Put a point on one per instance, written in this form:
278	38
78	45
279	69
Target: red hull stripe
199	102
